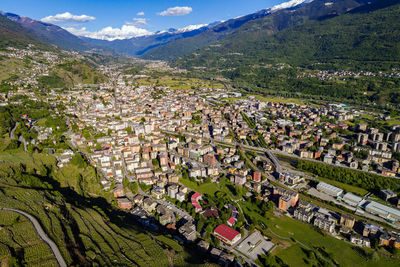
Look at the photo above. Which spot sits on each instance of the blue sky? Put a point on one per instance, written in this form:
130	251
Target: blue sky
109	19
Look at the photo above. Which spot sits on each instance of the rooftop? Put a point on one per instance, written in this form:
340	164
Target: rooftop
226	232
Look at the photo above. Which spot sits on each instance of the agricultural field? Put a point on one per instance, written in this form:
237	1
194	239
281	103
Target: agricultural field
10	67
20	244
304	239
180	83
280	99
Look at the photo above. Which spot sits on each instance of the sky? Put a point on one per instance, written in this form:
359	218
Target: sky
120	19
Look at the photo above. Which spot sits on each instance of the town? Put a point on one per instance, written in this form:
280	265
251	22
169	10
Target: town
184	162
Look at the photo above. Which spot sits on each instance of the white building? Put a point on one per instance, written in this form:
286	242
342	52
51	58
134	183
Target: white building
329	189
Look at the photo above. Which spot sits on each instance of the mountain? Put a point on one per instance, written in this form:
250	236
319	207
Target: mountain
211	35
262	23
54	35
266	22
50	33
364	38
137	46
350	36
13	34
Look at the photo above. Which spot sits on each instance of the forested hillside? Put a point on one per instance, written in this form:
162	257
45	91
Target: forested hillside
254	26
366	38
12	34
70	74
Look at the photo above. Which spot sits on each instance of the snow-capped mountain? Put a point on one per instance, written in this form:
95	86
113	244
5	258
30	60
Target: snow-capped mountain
192	27
290	4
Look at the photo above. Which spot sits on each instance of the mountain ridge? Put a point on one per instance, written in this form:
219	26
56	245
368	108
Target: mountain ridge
264	21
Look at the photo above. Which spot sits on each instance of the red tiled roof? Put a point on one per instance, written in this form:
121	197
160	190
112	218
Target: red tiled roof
194	200
226	232
231	221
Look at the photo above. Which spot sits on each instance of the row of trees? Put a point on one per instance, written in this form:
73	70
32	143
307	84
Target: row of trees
368	181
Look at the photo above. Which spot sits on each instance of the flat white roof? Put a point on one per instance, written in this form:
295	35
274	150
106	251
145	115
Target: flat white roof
329	187
351	197
382	209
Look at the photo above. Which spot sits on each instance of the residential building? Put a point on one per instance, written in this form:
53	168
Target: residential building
284	203
196	197
347	221
360	241
324	224
172	191
124	203
303	215
188	231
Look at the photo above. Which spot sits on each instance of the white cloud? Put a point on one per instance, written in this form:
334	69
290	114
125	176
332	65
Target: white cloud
67	17
141	13
138	22
110	33
176	11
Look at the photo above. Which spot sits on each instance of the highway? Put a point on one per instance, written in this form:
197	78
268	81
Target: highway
42	235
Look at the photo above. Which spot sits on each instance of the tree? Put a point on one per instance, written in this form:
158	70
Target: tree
270	205
375	256
156	163
133	187
200	224
129	130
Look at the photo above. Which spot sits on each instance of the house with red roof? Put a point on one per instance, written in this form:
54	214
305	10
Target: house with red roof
195	201
231	221
227	234
234	217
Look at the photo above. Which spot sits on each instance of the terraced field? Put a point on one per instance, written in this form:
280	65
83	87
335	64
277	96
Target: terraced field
18	237
87	229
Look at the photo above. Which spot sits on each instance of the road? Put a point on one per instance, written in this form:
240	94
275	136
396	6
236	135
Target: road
21	138
13	130
23	141
321	162
42	235
271	155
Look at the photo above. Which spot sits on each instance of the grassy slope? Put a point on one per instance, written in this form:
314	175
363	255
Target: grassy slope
74	72
12	34
10	67
70	74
